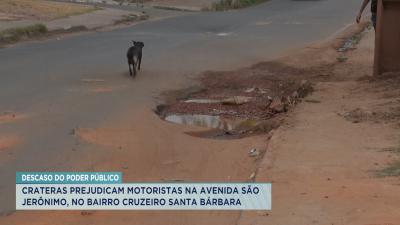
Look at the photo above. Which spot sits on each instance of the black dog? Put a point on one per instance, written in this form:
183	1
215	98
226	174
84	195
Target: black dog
134	56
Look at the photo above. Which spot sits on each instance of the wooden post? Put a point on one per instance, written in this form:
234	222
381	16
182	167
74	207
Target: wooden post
387	38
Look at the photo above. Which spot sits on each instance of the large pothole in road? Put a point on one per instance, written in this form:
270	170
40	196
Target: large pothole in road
222	127
239	103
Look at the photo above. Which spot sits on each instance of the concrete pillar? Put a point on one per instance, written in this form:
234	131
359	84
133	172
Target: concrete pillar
387	39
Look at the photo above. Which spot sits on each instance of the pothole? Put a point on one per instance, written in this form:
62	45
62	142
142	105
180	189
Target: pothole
237	104
221	127
209	121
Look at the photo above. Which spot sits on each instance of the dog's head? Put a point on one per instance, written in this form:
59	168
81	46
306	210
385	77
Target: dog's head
138	44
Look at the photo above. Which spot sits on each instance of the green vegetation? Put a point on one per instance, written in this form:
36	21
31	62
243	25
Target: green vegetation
16	34
42	9
393	170
224	5
395	149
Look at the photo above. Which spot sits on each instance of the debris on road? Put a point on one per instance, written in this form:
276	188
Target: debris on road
254	152
86	213
240	102
277	105
252	176
236	100
202	101
342	58
312	101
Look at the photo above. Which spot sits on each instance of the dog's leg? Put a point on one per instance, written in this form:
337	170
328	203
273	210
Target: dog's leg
139	61
130	71
134	68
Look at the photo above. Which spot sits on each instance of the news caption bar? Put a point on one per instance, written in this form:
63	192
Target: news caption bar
106	191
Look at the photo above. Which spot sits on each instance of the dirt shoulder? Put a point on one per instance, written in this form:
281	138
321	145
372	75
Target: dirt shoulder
335	159
11	10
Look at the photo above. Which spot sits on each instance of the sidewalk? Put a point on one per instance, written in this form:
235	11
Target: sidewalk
185	5
179	5
96	19
323	163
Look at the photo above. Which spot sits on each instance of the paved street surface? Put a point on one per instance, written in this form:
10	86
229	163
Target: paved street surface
45	81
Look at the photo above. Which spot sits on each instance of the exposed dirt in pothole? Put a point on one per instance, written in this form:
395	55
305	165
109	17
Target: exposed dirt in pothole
242	102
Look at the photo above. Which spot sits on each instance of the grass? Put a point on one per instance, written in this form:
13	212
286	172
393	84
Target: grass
393	170
15	34
224	5
42	9
395	149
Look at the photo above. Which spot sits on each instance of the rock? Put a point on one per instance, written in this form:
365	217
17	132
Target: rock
262	213
290	100
262	91
295	95
67	27
304	83
304	89
312	101
250	90
277	105
254	152
342	59
256	89
86	213
236	100
252	176
202	101
269	101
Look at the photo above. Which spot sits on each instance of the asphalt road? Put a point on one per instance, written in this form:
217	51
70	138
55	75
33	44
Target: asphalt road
43	80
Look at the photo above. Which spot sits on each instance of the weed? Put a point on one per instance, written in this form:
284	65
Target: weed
16	34
224	5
